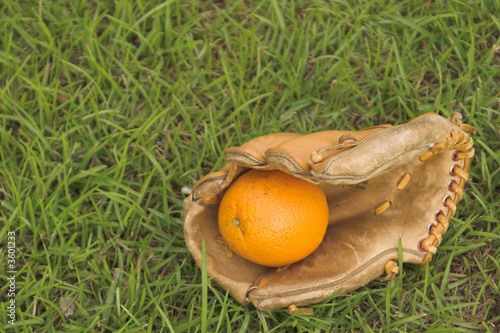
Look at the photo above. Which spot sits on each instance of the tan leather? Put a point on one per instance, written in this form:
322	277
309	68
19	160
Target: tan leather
384	187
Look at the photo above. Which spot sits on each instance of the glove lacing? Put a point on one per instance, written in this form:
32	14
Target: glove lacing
317	155
462	144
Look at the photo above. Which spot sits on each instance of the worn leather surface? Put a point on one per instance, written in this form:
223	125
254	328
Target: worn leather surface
360	172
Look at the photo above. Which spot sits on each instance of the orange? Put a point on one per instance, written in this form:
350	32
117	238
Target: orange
272	218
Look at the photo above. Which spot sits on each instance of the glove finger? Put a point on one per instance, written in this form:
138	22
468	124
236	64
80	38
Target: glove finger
210	187
251	154
294	156
384	150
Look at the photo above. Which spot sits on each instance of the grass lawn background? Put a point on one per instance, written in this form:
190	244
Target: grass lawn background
108	109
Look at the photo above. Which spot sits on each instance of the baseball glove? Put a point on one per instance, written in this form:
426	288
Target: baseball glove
390	190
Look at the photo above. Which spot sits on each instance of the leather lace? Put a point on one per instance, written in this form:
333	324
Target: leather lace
317	155
462	144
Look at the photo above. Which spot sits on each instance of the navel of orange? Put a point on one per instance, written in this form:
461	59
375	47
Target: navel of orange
272	218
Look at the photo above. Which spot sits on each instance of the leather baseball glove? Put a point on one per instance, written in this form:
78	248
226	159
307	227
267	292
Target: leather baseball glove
389	189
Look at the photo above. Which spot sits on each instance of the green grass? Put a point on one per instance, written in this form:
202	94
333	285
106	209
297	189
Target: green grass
108	109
